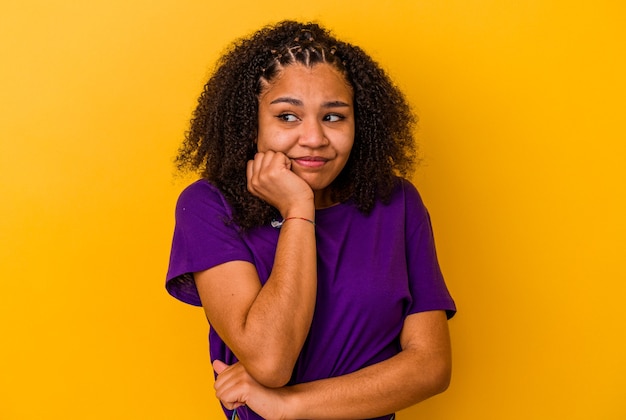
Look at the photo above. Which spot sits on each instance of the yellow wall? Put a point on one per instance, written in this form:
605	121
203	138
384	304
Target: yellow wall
522	134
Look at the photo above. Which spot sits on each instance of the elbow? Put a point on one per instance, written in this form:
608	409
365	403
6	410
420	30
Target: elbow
271	374
442	382
273	379
270	365
440	378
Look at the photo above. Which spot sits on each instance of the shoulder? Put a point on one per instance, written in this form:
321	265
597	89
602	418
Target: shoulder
406	193
202	197
406	186
408	207
198	191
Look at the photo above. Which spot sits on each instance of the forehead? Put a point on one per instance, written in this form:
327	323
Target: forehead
319	80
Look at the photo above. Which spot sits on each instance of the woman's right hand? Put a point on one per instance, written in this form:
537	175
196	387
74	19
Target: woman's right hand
270	178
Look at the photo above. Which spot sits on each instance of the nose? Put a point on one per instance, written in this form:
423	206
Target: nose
312	134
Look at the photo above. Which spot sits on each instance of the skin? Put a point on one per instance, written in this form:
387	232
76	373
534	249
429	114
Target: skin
305	135
422	369
307	115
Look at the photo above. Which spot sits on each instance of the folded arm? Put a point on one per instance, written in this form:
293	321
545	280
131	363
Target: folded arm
421	370
266	326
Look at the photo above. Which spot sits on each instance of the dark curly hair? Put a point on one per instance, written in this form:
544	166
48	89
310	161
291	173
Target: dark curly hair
224	126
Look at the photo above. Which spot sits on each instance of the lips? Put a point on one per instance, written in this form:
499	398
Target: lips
310	161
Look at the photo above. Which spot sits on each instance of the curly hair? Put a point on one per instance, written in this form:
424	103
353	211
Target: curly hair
224	126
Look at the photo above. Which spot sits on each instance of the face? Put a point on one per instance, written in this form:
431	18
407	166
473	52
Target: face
308	114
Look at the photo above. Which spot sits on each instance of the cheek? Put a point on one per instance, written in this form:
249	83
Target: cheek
348	140
264	136
265	132
347	146
273	139
264	141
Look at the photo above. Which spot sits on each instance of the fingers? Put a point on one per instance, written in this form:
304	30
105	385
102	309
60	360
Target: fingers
235	387
219	366
230	385
266	167
270	173
271	179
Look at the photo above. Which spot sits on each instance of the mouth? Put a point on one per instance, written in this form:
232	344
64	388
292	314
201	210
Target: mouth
310	161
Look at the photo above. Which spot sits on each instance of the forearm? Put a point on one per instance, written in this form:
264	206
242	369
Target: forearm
377	390
421	370
273	321
278	321
265	327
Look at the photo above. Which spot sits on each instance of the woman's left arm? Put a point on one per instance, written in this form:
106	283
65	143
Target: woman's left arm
422	369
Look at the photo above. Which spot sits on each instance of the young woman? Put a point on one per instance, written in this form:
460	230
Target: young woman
312	256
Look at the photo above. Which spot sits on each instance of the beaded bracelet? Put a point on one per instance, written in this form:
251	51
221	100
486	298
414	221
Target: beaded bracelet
277	224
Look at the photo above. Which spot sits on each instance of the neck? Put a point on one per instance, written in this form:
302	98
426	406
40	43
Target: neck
322	199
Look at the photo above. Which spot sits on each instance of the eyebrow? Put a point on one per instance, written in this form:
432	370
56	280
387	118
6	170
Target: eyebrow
298	102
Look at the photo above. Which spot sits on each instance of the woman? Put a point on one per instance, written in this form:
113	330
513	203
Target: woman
312	257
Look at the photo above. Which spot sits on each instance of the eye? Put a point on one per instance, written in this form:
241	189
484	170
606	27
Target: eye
287	117
333	117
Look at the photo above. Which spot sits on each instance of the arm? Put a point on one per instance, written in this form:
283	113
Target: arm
266	326
421	370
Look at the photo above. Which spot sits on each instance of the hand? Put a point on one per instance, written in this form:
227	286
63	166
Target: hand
270	178
235	387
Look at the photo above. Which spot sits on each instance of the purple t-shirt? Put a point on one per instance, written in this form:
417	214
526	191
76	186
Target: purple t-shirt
373	271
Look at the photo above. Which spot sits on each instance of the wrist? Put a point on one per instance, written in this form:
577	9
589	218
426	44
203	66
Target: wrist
292	403
301	211
280	223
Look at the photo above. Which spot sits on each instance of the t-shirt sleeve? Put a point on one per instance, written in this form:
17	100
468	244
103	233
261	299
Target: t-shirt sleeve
428	287
203	238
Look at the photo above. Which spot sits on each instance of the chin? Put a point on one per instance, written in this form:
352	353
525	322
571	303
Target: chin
317	186
314	182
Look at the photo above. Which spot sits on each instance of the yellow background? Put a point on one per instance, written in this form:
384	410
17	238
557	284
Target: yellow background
521	107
